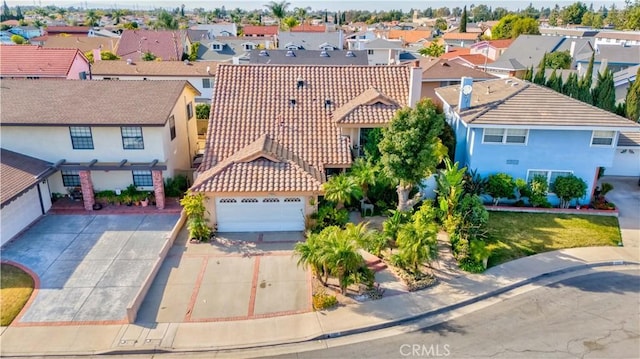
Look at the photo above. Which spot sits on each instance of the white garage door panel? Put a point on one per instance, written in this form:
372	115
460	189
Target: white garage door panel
625	163
19	214
256	215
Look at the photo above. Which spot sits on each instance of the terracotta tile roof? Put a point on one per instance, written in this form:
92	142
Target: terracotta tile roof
475	59
18	173
262	166
154	68
500	102
260	30
461	36
68	102
166	45
629	139
29	60
437	69
370	107
501	44
455	52
308	28
55	30
83	44
409	36
251	101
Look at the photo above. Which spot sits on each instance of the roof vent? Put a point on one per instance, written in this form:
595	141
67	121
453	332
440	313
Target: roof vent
290	53
292	102
514	84
299	83
186	62
324	53
263	53
327	103
508	81
129	61
350	54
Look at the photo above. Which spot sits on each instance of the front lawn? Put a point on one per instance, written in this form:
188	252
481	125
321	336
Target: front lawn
15	289
514	235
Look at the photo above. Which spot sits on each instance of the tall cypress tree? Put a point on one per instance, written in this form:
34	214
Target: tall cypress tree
539	77
604	94
570	88
584	87
463	20
555	82
528	76
633	100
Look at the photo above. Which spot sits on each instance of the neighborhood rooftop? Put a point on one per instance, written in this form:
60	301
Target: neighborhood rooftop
67	102
19	173
155	68
28	59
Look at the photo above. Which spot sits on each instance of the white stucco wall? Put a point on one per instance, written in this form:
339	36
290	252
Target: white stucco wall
206	93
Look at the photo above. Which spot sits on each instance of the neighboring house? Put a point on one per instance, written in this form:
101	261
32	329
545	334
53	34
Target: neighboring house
308	57
198	36
24	192
462	39
288	40
409	37
26	31
523	129
277	132
259	31
383	52
232	49
309	28
357	40
77	31
437	72
626	161
201	74
629	38
165	45
35	62
102	134
475	61
492	49
568	32
622	80
84	44
219	29
613	57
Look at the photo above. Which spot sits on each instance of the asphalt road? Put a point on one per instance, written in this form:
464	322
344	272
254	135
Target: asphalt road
591	316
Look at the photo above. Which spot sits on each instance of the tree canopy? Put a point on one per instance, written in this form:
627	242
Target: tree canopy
512	26
633	100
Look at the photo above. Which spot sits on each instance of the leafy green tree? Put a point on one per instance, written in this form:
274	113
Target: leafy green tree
131	25
540	78
104	55
463	20
6	12
568	188
411	149
193	52
554	16
500	185
632	16
290	22
441	24
633	100
511	26
450	189
525	26
481	13
18	40
341	189
364	173
558	60
279	9
392	224
371	150
573	13
202	111
148	56
604	94
167	21
434	50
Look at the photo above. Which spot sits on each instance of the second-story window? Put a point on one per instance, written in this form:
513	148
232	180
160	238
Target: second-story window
132	138
81	138
602	138
369	52
206	83
189	110
503	135
172	127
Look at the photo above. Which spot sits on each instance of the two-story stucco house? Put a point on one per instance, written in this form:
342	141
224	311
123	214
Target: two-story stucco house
35	62
277	131
523	129
102	134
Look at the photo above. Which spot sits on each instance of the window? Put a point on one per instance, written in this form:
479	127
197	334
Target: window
142	178
549	175
504	135
369	52
189	110
206	83
172	127
70	178
602	138
249	46
81	138
132	138
216	47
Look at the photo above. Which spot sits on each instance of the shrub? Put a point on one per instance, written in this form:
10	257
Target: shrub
176	186
569	187
474	183
469	265
500	185
538	189
327	216
202	111
323	301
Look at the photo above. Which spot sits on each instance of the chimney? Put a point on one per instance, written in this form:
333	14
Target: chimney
96	55
572	51
415	83
466	89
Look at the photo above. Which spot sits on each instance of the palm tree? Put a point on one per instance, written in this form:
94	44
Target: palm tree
342	258
341	189
364	173
278	9
310	253
117	14
417	240
301	13
91	18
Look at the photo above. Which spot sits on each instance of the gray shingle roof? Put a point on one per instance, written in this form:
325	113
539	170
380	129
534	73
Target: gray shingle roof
66	102
528	50
614	54
309	57
500	102
231	47
18	173
629	139
310	40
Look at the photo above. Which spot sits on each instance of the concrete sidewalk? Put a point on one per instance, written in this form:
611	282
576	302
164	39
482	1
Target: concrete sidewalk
445	296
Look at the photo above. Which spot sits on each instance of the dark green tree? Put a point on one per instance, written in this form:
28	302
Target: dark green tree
555	82
167	21
604	94
570	88
539	77
558	60
19	15
463	20
6	12
528	76
573	13
633	100
584	86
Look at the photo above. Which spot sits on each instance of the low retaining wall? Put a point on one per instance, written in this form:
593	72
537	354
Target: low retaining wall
136	302
582	211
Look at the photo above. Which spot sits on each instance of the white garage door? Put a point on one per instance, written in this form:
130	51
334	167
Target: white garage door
626	162
19	214
260	214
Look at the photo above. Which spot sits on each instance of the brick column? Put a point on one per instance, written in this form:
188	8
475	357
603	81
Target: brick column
158	188
87	189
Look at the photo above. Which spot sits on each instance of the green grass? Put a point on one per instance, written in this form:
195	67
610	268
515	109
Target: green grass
514	235
16	287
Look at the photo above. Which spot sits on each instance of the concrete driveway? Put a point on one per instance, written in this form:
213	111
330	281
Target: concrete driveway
238	276
89	267
626	196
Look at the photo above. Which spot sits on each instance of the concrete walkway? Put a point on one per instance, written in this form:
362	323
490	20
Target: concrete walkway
453	294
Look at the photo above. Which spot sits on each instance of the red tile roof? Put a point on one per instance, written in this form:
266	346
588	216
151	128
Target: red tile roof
455	52
31	60
501	44
461	36
476	59
308	28
76	30
260	30
167	45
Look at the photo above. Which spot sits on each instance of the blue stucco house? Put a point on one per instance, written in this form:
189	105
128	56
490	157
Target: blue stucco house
519	128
